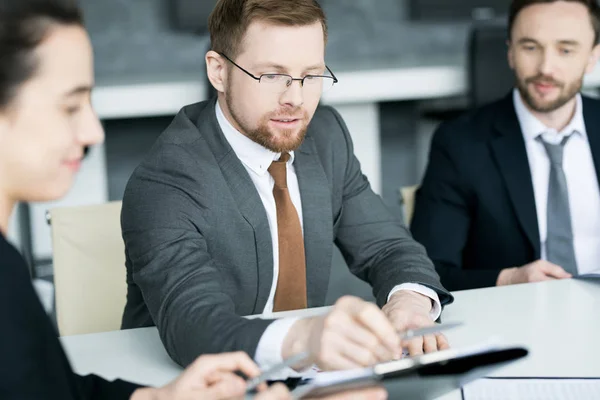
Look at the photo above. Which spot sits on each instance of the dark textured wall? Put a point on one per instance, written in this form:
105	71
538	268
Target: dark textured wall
132	37
136	37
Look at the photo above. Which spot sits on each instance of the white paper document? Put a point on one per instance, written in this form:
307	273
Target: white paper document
595	274
533	389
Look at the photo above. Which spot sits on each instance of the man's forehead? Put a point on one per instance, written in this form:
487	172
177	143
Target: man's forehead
261	34
284	46
555	27
557	15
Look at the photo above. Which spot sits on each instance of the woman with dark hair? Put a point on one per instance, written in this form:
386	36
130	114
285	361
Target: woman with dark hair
46	122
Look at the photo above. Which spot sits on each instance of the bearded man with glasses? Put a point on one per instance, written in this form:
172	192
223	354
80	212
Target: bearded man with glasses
236	209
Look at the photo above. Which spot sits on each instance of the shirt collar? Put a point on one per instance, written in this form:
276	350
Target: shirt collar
250	153
533	127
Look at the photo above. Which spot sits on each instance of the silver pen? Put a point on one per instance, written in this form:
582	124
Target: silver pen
412	333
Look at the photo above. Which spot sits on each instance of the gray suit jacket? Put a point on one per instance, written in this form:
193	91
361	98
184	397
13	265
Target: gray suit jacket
198	244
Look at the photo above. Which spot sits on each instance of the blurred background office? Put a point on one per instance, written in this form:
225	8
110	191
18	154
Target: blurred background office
403	66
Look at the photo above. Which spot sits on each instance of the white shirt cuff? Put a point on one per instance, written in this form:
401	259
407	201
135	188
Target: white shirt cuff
436	309
268	352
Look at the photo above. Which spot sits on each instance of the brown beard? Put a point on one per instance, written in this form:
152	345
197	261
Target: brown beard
568	91
268	139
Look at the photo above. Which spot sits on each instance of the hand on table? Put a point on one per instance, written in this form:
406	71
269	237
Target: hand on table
537	271
410	310
354	334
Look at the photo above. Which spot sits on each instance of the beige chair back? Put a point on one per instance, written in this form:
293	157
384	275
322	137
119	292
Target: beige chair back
89	268
407	196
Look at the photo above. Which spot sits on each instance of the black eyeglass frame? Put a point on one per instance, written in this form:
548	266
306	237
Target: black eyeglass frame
258	78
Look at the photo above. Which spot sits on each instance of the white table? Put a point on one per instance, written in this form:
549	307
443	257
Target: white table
557	321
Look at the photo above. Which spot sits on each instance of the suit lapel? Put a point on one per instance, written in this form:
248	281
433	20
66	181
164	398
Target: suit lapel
317	221
247	199
510	154
592	127
250	206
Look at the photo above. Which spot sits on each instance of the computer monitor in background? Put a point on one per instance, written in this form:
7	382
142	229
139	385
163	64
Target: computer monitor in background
457	10
191	15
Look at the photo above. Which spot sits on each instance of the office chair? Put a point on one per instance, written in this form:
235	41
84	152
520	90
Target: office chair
89	268
489	76
407	198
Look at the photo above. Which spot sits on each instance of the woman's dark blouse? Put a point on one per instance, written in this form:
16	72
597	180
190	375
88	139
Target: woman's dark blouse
33	364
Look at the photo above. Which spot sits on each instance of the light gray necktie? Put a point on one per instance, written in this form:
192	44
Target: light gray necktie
559	239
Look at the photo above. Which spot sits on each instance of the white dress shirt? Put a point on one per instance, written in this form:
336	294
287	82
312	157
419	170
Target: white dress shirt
582	182
257	159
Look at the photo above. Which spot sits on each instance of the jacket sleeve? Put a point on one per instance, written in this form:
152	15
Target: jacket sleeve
164	234
377	247
442	216
34	366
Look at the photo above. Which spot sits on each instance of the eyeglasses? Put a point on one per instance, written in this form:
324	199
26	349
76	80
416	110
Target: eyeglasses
279	83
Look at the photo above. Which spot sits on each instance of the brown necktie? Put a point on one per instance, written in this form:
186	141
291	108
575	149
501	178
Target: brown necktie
291	284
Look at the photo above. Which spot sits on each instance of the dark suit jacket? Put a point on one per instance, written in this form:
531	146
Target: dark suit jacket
33	364
198	245
475	211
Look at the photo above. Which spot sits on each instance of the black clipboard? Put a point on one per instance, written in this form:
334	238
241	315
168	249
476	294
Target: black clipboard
421	378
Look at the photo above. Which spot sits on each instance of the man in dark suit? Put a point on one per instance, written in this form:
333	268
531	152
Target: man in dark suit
511	190
236	209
